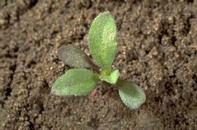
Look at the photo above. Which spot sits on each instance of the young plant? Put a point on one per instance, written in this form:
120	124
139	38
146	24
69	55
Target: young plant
103	47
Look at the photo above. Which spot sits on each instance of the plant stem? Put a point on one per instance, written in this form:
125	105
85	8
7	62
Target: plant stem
93	65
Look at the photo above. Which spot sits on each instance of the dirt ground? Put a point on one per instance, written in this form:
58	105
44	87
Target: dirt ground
157	43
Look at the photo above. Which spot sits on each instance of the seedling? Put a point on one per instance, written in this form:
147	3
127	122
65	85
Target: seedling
103	46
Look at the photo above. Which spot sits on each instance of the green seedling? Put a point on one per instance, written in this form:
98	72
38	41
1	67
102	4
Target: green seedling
103	46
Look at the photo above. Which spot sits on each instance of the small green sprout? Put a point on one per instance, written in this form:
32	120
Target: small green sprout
103	46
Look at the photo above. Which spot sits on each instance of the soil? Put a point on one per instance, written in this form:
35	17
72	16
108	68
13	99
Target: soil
157	43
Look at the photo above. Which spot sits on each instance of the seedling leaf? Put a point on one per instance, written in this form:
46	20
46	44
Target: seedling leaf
131	94
102	40
74	82
112	78
73	57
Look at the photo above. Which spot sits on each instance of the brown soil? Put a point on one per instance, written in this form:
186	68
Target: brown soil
157	49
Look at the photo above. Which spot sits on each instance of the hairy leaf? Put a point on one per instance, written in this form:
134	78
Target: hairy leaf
111	78
131	94
102	40
73	57
74	82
